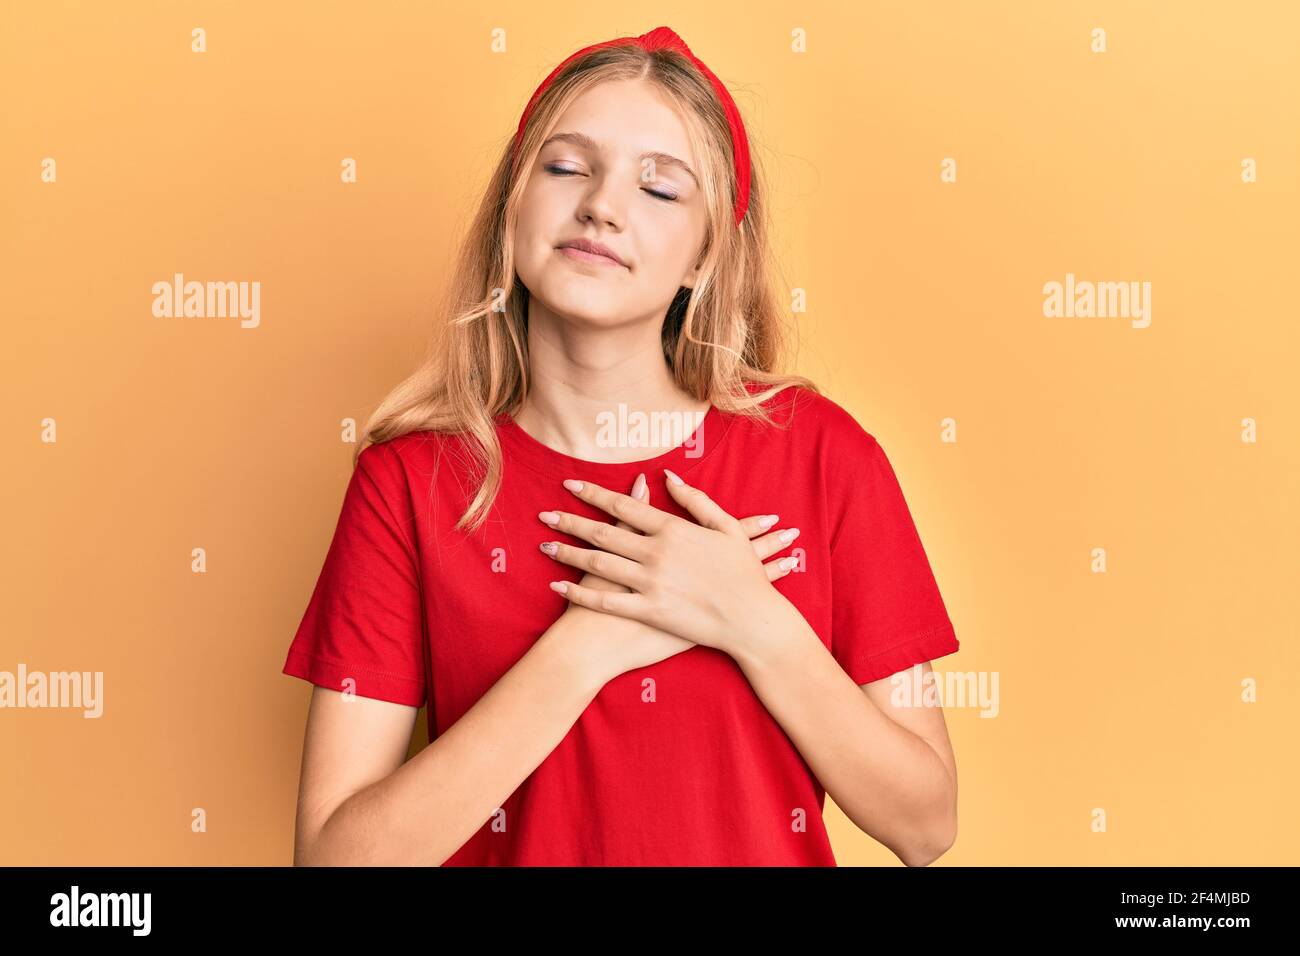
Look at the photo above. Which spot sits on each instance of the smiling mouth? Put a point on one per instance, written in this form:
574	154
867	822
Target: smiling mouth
581	255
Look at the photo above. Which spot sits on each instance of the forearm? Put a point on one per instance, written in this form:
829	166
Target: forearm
886	779
424	811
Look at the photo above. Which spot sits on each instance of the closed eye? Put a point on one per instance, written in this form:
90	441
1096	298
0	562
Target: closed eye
561	171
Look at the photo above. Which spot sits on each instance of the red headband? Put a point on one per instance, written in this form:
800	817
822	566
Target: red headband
662	38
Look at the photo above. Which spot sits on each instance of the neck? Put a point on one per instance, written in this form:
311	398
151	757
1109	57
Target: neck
586	382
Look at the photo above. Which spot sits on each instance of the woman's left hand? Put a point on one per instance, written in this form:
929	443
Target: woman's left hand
703	582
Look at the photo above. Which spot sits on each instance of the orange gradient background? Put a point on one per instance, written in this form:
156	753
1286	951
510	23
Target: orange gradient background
1119	691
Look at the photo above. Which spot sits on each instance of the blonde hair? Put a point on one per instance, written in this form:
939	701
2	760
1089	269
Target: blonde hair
721	338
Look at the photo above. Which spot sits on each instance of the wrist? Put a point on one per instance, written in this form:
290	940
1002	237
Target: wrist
766	631
570	639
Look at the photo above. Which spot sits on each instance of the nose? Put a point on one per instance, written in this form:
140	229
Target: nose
601	203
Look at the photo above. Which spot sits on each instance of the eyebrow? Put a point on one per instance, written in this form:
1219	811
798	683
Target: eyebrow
660	159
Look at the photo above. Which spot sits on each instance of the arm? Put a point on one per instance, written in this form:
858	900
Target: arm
360	804
700	580
889	768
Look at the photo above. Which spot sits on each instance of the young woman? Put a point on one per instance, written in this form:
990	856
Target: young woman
626	658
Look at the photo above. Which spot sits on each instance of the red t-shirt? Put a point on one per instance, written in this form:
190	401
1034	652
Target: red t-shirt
414	611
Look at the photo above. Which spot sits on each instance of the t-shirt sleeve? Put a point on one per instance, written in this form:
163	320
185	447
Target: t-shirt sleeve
365	620
887	612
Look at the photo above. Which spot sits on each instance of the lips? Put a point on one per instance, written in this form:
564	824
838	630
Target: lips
589	251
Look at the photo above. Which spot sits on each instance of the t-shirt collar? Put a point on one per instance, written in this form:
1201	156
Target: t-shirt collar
524	448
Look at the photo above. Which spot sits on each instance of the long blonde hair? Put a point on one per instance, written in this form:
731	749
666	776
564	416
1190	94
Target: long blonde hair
723	340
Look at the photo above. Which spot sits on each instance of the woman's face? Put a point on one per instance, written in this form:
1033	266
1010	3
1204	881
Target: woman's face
608	174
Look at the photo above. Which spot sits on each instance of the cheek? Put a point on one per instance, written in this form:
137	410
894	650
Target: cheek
665	263
532	244
532	210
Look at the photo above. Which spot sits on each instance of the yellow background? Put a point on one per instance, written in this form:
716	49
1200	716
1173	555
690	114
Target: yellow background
1119	691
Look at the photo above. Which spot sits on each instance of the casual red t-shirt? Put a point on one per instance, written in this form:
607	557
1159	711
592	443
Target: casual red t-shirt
698	773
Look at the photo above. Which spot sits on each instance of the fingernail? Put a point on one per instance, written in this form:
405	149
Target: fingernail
549	517
788	536
638	489
788	563
767	521
560	586
549	547
572	485
675	480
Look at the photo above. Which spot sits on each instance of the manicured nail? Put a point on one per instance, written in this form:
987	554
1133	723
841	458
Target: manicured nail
638	489
550	517
549	547
560	586
767	521
788	563
572	485
675	480
788	536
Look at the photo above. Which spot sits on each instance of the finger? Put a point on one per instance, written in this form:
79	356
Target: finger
767	545
622	603
641	492
624	542
770	544
611	567
640	515
755	525
779	569
703	508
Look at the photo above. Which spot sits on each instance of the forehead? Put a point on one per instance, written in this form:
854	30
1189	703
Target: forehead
628	116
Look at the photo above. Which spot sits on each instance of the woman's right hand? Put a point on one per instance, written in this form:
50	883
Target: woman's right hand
620	644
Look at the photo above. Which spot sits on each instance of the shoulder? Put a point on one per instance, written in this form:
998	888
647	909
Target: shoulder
813	419
422	470
397	463
410	449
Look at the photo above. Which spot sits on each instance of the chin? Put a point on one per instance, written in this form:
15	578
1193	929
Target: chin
586	315
588	312
581	298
